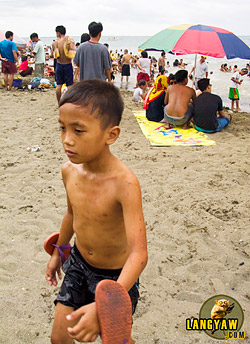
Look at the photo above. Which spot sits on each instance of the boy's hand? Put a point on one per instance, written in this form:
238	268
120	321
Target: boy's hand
53	267
87	329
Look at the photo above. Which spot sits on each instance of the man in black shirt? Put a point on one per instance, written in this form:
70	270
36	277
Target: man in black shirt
206	107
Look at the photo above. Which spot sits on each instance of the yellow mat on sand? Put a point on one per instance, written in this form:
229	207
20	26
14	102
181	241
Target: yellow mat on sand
160	136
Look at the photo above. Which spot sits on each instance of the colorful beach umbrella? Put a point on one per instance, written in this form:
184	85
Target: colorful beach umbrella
198	39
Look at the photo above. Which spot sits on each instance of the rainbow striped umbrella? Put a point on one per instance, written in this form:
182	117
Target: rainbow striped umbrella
198	39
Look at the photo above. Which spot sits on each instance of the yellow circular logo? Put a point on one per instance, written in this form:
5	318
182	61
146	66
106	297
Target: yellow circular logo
221	317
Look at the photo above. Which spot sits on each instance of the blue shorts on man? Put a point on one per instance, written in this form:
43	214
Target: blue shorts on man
64	74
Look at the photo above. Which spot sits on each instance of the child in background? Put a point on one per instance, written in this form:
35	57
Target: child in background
233	90
140	91
104	212
24	68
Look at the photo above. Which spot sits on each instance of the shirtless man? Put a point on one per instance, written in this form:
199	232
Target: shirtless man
161	62
64	69
179	108
125	66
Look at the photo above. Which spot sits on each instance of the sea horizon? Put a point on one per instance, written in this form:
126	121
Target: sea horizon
119	43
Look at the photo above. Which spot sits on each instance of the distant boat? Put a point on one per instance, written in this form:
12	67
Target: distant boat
112	39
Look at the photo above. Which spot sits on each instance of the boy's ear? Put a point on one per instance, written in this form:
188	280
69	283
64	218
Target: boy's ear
113	134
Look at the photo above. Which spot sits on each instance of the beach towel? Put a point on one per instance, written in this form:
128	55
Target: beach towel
69	48
160	85
160	136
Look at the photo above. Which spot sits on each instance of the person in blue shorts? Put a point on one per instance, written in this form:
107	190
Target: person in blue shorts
63	49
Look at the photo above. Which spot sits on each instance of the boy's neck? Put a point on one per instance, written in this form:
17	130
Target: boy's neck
101	164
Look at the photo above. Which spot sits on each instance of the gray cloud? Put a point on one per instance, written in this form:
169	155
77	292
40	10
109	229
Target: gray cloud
129	18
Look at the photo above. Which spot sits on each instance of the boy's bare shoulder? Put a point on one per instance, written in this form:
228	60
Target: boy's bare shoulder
67	168
126	177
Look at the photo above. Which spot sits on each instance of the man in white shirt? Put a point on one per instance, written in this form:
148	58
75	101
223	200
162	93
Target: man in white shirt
39	55
201	71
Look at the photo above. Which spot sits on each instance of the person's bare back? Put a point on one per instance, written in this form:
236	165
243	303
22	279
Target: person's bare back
177	99
60	43
126	58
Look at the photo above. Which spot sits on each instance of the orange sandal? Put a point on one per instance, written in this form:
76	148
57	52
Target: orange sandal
50	244
114	310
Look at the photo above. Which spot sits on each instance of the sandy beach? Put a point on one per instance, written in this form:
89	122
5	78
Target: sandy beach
196	204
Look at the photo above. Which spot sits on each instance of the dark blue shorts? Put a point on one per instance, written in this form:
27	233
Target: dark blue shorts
64	74
79	284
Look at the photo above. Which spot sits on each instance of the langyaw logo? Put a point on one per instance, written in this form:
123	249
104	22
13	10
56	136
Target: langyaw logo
220	317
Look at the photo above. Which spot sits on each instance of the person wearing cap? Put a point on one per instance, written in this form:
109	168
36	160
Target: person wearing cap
209	116
201	71
233	90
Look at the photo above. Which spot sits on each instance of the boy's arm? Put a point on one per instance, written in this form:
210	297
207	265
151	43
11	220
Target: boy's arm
237	81
166	98
66	233
130	199
193	95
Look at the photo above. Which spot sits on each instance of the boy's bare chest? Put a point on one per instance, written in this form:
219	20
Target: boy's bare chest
93	198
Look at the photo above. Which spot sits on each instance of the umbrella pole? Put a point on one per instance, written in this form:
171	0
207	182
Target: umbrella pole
195	60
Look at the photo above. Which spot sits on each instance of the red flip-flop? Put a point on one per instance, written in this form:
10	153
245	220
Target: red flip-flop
50	244
114	310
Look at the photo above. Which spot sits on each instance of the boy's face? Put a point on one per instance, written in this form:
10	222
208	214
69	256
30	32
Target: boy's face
82	137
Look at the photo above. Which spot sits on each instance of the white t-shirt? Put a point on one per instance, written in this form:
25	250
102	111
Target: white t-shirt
236	76
137	94
201	70
145	64
40	53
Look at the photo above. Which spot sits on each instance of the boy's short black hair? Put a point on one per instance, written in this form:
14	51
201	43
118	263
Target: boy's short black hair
95	28
171	77
181	75
33	35
85	37
8	34
141	83
203	84
103	98
144	53
61	29
24	58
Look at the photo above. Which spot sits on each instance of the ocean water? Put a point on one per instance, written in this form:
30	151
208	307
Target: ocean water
220	81
121	42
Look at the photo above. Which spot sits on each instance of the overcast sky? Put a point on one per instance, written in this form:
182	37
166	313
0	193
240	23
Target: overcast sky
121	18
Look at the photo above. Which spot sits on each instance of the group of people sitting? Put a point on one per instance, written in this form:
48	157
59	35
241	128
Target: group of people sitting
171	101
225	68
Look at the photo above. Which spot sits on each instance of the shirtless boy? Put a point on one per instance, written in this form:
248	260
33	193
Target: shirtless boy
179	108
64	68
104	211
126	66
